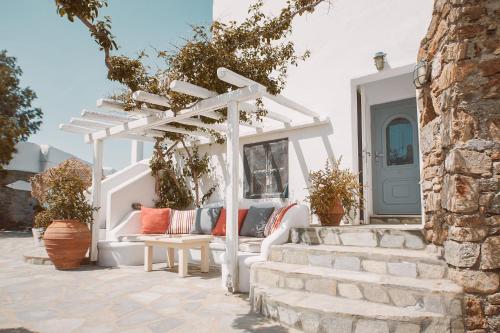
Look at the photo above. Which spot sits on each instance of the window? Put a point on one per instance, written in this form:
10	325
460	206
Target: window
266	169
399	141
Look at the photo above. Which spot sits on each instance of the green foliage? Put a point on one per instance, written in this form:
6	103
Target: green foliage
171	187
18	119
61	192
257	48
332	184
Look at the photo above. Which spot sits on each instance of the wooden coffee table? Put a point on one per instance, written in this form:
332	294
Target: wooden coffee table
183	244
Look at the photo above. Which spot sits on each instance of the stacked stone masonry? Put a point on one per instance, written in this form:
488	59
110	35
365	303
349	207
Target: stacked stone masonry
460	144
358	279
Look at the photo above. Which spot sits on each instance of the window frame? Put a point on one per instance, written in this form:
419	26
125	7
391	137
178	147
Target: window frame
268	172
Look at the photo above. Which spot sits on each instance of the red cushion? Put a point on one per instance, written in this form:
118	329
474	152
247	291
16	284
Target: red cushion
220	227
154	220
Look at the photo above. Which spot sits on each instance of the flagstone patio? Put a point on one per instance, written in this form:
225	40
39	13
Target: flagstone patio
38	298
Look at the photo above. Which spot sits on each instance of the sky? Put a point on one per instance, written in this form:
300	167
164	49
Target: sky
63	64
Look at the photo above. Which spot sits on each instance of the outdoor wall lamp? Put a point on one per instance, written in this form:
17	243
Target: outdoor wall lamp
379	60
420	74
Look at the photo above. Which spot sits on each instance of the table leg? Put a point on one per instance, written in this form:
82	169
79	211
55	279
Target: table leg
205	261
170	257
148	258
183	262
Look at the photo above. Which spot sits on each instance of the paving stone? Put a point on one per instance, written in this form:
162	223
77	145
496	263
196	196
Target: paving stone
375	294
294	283
57	325
336	325
136	318
322	286
392	241
402	269
371	326
329	236
165	325
349	290
407	328
438	326
310	322
276	255
347	263
288	316
374	266
320	260
295	257
368	239
145	297
269	278
434	303
414	242
429	271
402	298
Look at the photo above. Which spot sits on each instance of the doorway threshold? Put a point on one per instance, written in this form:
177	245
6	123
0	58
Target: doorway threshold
395	219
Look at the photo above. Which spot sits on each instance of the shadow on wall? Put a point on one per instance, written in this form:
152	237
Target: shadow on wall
298	156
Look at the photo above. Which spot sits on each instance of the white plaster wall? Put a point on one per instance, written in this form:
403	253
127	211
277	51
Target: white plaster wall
343	38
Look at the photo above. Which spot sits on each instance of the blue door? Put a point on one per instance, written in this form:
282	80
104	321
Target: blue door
395	163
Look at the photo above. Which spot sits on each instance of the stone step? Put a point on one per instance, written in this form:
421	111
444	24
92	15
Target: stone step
400	262
442	296
395	219
395	237
323	313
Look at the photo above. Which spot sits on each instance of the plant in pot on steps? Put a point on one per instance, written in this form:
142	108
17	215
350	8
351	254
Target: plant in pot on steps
333	193
66	213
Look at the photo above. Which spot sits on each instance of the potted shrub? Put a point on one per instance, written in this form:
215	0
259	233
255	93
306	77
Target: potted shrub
65	213
334	192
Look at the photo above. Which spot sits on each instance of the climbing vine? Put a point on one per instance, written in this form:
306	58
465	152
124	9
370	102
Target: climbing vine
257	48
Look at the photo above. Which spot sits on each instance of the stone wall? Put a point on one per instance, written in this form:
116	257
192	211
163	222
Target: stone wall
460	142
16	206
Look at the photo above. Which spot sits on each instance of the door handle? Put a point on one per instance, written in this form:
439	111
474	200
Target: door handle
378	157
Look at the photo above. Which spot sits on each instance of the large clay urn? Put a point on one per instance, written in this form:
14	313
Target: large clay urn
334	215
67	242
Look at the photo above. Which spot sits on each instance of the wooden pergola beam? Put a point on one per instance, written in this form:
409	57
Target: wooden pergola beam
238	80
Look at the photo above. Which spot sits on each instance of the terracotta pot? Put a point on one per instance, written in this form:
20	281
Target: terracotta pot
67	242
334	216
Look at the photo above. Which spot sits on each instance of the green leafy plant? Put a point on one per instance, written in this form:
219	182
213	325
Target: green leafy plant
18	119
61	192
257	48
330	185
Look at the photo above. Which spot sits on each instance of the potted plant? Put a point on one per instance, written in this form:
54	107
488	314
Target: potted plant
334	192
65	213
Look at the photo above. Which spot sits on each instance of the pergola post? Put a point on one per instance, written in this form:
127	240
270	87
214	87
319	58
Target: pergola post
96	193
136	151
232	155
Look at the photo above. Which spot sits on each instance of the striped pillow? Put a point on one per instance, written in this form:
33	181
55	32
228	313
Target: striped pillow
181	221
275	219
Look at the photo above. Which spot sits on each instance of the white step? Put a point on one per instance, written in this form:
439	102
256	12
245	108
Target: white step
396	236
323	313
398	262
436	295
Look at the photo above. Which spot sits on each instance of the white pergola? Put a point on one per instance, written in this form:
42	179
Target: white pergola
144	124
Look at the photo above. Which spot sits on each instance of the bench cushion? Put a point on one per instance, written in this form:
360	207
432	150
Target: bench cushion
154	220
181	221
205	220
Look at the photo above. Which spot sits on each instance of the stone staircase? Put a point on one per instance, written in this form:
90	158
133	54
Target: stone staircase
357	279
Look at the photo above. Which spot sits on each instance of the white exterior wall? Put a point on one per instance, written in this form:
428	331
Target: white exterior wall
343	39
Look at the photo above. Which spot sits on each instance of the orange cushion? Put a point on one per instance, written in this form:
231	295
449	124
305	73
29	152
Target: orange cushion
220	227
154	220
